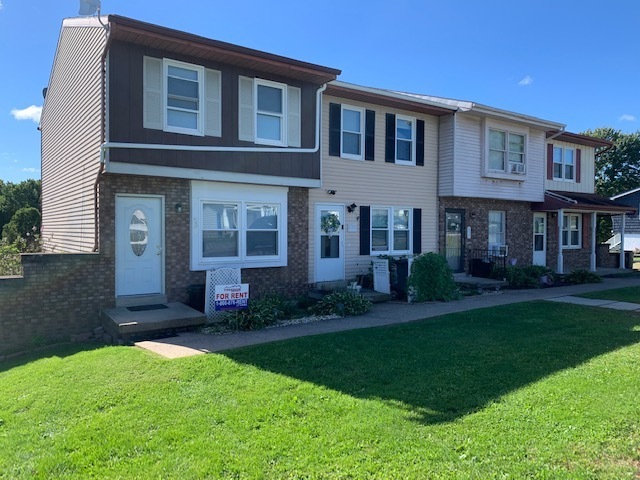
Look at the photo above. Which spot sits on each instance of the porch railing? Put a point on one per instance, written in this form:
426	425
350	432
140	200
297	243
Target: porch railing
482	261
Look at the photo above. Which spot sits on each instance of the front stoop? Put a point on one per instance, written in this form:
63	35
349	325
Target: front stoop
127	325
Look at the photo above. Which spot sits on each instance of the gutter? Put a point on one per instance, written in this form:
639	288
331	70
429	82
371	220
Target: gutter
106	146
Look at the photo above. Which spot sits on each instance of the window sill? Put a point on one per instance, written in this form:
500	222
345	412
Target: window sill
239	264
506	176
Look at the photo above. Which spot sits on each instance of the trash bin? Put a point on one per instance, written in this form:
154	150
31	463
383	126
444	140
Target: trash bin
196	296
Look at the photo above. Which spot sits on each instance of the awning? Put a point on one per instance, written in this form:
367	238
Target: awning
580	202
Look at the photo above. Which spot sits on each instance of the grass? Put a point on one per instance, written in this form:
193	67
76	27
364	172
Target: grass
627	294
535	390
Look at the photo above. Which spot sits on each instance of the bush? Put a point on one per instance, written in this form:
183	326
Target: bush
431	279
343	303
526	277
9	260
260	313
581	276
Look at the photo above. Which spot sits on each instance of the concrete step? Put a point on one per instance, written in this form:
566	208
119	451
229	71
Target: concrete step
138	321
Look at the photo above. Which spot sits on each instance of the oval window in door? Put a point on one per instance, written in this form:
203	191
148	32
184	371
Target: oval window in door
138	233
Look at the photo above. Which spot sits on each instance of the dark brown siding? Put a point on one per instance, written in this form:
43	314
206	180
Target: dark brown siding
125	122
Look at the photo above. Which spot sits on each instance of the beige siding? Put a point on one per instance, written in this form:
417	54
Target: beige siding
469	164
368	183
587	171
71	139
446	155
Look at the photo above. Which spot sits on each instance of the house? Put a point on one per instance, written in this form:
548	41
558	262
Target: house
631	239
171	154
379	178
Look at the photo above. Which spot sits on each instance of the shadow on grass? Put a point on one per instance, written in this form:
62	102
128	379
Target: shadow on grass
443	368
59	351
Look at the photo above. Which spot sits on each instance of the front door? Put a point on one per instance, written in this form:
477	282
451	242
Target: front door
329	243
139	245
540	239
454	243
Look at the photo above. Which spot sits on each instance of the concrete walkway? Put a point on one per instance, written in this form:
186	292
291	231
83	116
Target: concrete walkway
188	344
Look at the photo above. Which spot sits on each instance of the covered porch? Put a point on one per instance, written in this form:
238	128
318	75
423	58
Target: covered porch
571	232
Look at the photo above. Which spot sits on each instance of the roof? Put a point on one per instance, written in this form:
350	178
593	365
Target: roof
624	194
387	98
183	43
579	139
467	106
590	202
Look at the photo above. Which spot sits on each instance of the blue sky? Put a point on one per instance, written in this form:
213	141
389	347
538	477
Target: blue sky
567	61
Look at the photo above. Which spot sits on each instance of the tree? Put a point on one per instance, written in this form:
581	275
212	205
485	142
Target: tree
14	196
23	230
618	168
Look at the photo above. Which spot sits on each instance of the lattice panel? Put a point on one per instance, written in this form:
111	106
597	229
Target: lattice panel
219	276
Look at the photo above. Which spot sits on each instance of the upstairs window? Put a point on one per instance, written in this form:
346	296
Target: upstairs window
184	97
270	117
352	135
405	140
563	164
507	152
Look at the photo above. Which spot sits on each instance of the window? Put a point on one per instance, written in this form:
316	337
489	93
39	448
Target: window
405	140
352	135
496	231
238	225
507	152
390	230
571	230
563	164
270	112
183	97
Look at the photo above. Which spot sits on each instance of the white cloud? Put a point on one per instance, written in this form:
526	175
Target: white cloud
0	4
29	113
627	118
30	170
528	80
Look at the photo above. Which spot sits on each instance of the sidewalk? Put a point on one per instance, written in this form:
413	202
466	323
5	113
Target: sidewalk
188	344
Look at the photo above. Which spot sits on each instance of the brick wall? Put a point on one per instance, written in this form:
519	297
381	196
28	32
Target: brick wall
518	224
59	297
573	259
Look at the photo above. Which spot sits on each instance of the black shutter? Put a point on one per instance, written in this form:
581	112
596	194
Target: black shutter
420	142
390	139
417	230
335	114
365	231
369	134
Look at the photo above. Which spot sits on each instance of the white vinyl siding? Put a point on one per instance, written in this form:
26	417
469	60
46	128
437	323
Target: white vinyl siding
469	179
385	185
587	170
70	142
256	116
446	157
181	98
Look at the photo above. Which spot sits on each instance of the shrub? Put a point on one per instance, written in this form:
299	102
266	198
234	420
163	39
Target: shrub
431	279
9	260
526	277
260	313
582	276
342	303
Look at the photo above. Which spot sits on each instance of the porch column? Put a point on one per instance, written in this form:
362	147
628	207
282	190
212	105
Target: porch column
560	268
592	262
622	225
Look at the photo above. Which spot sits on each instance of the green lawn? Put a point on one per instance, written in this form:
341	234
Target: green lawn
535	390
628	294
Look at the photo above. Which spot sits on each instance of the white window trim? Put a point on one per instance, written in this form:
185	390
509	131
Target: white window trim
166	63
362	112
241	195
283	117
569	246
413	121
563	164
508	129
390	229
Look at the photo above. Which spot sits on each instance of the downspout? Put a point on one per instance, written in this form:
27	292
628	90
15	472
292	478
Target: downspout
103	108
198	148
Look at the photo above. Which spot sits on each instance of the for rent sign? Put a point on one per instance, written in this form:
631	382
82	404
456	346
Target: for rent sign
232	297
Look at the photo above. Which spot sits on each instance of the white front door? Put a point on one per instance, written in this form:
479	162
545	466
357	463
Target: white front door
540	239
329	242
139	245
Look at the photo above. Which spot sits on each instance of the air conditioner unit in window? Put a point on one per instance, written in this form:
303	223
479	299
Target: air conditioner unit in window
516	167
499	250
